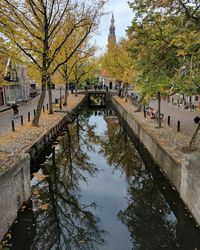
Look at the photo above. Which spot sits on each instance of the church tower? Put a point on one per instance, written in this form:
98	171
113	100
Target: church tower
112	36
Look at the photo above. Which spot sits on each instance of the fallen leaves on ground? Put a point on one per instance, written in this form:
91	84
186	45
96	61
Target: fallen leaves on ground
39	176
172	141
43	207
12	143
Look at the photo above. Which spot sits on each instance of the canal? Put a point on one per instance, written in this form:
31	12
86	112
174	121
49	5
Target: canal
92	190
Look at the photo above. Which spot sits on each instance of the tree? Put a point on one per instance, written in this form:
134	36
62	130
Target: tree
34	25
118	64
166	45
78	65
156	51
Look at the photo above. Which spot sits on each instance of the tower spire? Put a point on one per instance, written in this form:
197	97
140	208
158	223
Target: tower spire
112	36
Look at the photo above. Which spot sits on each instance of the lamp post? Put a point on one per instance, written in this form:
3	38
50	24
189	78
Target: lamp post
60	97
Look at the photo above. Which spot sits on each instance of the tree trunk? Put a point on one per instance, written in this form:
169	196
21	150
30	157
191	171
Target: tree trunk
66	93
168	99
126	92
190	103
40	104
194	143
159	103
76	88
50	97
78	133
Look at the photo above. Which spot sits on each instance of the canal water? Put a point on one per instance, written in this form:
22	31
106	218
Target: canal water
92	190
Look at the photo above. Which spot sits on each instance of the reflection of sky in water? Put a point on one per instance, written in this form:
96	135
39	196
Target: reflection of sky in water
108	191
100	123
113	192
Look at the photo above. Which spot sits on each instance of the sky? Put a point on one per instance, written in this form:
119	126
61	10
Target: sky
123	16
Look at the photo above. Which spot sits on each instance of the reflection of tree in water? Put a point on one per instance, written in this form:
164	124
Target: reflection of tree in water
119	150
62	222
147	216
97	100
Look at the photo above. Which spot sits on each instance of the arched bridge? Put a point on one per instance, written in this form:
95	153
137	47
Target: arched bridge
98	98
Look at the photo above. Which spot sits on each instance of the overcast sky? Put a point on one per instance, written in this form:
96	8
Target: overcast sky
123	17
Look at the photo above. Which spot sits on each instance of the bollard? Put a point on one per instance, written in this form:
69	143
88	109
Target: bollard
22	120
168	120
145	113
47	106
43	108
29	117
178	126
60	103
13	126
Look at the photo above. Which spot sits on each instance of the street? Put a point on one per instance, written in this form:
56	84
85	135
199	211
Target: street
7	116
185	117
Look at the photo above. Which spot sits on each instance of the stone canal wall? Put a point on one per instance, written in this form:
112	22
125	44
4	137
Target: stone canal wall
47	137
182	171
190	183
14	190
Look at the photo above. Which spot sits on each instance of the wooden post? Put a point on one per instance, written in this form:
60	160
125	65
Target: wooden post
29	117
145	113
168	120
13	126
22	120
178	126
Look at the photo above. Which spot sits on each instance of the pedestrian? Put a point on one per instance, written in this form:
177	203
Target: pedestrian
197	119
15	110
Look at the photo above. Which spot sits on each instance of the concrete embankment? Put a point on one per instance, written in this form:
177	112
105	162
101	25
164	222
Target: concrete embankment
14	190
16	150
181	169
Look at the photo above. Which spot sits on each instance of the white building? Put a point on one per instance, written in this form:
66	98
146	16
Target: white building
17	86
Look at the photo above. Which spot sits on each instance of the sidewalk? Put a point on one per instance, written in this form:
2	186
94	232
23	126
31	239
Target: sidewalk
24	136
7	116
176	113
4	108
172	142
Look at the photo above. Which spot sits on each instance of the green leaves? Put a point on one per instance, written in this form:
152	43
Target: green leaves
165	45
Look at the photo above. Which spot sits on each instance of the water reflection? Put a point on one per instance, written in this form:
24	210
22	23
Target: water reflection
149	220
147	216
62	222
94	191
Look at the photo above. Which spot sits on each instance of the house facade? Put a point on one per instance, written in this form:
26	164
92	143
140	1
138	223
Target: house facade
16	83
186	102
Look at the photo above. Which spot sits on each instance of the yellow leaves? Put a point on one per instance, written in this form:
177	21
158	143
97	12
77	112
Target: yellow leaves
36	194
40	176
117	61
181	52
43	207
9	236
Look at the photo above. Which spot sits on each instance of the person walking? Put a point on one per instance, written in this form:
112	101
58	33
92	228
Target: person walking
15	110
